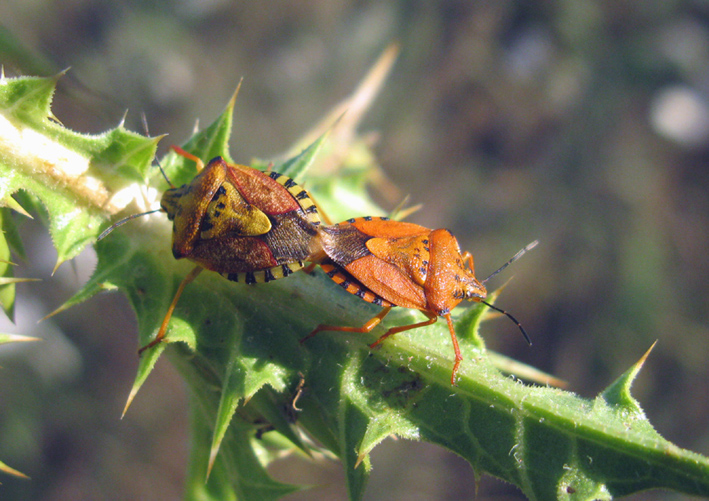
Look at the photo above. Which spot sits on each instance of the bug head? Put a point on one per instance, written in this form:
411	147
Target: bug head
473	289
171	200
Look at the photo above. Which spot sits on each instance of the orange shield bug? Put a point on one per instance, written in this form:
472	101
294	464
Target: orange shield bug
245	224
390	263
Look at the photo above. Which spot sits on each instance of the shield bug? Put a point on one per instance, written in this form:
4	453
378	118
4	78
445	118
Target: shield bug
391	263
245	224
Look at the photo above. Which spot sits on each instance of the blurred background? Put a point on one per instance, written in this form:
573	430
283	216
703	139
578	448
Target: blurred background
583	124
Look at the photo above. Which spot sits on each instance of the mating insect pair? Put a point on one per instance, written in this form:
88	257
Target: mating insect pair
253	227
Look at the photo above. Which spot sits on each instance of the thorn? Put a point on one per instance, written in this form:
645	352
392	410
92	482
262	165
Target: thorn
360	458
13	472
122	122
642	360
232	101
14	205
212	458
18	338
131	396
56	266
55	312
17	280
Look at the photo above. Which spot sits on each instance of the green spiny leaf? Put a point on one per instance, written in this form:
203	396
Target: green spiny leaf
205	145
7	291
77	177
12	236
298	165
268	405
237	472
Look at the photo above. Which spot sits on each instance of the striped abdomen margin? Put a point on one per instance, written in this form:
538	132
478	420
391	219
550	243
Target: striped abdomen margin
263	276
301	196
346	281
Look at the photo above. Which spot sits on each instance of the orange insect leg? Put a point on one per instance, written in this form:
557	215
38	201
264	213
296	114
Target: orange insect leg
431	320
367	327
163	327
188	156
456	348
468	257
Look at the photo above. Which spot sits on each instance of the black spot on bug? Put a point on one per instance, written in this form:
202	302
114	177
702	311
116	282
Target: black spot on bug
345	284
331	273
311	210
234	277
360	293
422	270
302	195
274	175
352	220
367	218
384	218
206	225
217	213
427	249
290	183
268	276
377	300
221	191
250	278
424	242
221	206
286	270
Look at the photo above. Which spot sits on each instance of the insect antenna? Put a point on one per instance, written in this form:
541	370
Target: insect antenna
144	119
164	175
123	221
514	258
521	329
